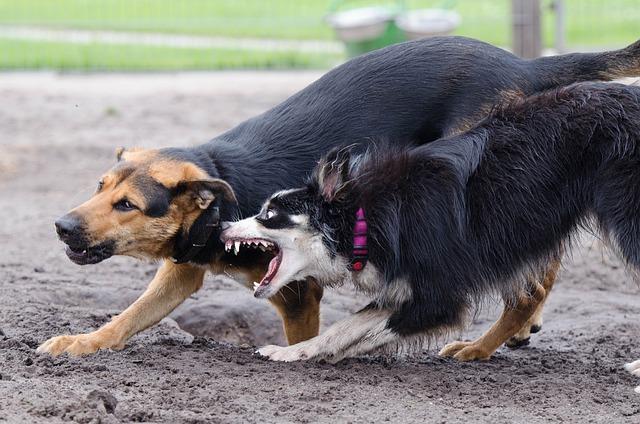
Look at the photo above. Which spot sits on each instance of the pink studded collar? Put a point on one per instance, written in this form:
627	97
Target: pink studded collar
360	248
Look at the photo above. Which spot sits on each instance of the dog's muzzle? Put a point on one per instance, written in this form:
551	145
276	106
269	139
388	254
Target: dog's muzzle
70	229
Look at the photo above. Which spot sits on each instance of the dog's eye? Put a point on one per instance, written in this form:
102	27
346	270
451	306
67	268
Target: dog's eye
266	215
100	185
124	205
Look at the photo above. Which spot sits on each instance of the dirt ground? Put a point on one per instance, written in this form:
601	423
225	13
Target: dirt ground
57	133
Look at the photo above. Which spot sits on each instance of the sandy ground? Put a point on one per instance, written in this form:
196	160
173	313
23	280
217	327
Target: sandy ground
57	133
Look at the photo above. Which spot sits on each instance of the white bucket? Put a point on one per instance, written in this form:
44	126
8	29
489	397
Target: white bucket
428	23
362	24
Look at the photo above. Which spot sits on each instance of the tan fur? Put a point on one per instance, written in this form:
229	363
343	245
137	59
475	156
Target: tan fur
465	124
135	154
483	347
536	319
133	232
168	289
298	304
137	235
512	320
622	63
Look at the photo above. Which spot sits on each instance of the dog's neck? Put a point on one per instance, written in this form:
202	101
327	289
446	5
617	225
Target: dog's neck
254	176
200	242
191	247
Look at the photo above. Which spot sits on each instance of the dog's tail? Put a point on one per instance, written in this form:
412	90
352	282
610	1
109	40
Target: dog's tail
576	67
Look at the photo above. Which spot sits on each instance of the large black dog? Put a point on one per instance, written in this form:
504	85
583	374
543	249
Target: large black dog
165	204
428	231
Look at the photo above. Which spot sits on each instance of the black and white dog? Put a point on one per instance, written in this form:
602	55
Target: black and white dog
430	230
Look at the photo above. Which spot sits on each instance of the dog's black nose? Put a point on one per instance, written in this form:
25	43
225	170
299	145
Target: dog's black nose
67	226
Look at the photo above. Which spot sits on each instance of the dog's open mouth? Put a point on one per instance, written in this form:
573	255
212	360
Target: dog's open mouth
236	245
90	255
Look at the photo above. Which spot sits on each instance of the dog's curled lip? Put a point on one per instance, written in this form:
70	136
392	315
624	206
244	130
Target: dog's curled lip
235	244
90	255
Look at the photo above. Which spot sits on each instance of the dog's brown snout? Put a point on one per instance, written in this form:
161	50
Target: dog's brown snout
68	227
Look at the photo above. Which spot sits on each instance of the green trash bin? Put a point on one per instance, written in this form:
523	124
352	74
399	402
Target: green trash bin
366	28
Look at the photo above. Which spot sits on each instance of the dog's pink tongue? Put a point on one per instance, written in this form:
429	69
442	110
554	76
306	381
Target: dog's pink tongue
273	268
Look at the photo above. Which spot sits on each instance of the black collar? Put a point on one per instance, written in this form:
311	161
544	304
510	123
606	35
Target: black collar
187	248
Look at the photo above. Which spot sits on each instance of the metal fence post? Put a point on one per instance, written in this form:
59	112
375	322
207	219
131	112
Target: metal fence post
527	34
560	25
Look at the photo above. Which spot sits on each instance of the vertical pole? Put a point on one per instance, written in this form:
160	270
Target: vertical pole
527	34
560	24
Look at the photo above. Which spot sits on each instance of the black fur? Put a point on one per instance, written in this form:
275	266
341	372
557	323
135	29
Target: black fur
157	196
279	221
469	215
418	90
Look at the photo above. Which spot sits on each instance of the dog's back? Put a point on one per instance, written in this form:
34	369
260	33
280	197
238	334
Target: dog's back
502	198
413	91
423	89
552	161
478	212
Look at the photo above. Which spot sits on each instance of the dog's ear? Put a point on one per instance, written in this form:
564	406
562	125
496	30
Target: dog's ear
333	174
121	152
205	191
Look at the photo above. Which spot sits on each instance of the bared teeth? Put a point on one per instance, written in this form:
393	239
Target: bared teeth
255	285
235	245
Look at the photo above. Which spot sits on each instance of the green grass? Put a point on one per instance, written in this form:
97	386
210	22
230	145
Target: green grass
64	56
590	24
235	18
597	23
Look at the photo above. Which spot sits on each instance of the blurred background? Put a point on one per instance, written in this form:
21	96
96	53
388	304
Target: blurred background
79	78
126	35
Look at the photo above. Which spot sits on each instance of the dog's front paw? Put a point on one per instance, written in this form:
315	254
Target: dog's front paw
78	345
284	354
466	351
634	368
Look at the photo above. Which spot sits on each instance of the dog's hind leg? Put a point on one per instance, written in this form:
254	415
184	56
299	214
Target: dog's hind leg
511	320
298	304
168	289
534	324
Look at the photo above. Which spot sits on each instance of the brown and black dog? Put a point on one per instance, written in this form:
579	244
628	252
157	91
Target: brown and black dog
168	204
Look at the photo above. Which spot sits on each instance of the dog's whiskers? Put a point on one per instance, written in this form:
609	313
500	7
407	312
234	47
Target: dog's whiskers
284	299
